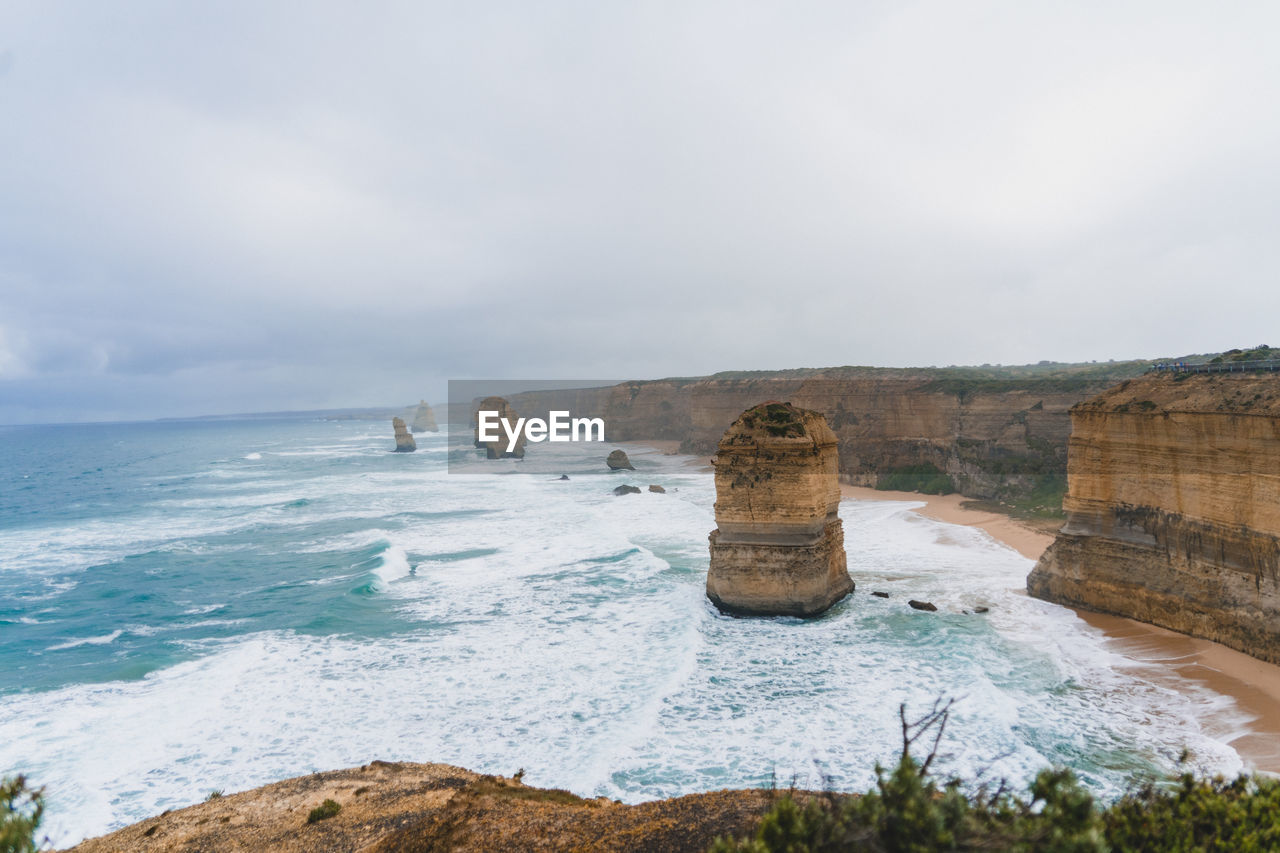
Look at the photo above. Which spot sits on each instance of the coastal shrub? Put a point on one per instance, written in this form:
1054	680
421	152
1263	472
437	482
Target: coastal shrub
908	811
21	815
324	811
1198	814
1043	500
926	478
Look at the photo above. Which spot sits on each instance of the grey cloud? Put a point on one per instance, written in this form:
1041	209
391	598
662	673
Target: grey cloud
321	204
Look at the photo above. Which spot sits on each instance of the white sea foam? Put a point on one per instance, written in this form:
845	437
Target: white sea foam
88	641
393	566
255	456
554	626
203	609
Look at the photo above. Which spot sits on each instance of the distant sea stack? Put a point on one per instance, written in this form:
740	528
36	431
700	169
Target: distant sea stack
498	449
778	549
424	420
1173	508
404	441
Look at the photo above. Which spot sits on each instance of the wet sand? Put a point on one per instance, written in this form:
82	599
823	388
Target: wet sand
1253	684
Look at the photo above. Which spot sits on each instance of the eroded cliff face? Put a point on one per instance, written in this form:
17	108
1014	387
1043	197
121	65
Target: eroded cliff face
1173	508
778	548
983	438
990	439
633	411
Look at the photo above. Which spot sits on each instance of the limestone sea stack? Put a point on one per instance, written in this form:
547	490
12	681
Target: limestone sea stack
404	441
424	420
506	414
618	461
778	549
1173	508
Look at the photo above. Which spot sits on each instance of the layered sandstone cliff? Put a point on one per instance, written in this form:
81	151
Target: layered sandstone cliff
404	441
1173	508
996	436
507	420
424	419
778	548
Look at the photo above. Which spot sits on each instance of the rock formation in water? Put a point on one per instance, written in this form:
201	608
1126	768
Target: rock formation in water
404	441
657	489
618	461
778	548
626	490
506	414
424	420
1173	508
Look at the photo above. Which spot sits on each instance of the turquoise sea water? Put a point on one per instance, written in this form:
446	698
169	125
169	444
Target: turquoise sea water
190	606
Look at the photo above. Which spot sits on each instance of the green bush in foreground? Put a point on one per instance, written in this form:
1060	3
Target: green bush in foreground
23	809
908	812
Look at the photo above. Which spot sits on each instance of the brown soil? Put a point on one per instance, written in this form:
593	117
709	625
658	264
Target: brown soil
402	808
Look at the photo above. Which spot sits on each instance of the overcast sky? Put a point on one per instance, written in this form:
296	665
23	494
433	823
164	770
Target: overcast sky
255	206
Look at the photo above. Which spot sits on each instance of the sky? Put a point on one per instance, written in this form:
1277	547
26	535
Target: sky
259	206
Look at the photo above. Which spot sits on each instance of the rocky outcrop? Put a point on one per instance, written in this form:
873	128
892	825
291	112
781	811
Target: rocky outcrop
778	548
506	414
626	490
657	489
399	807
618	461
404	441
1173	508
424	419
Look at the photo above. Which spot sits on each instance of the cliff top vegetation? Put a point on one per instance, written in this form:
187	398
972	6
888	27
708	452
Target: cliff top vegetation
1160	393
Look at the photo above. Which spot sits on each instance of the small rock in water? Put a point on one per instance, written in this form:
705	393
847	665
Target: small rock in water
880	594
657	489
981	609
627	490
618	460
564	476
922	605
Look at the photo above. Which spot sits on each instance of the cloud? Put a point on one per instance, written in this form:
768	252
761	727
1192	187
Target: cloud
328	205
12	365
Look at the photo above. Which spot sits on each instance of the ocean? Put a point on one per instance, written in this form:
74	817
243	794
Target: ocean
191	606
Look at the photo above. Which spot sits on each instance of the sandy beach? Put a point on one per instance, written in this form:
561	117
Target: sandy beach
1253	684
1026	540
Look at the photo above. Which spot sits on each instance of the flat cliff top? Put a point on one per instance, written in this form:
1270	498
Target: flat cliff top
775	423
1228	393
399	807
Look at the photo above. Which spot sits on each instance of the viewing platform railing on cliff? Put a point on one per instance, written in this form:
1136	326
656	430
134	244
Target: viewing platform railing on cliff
1220	367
